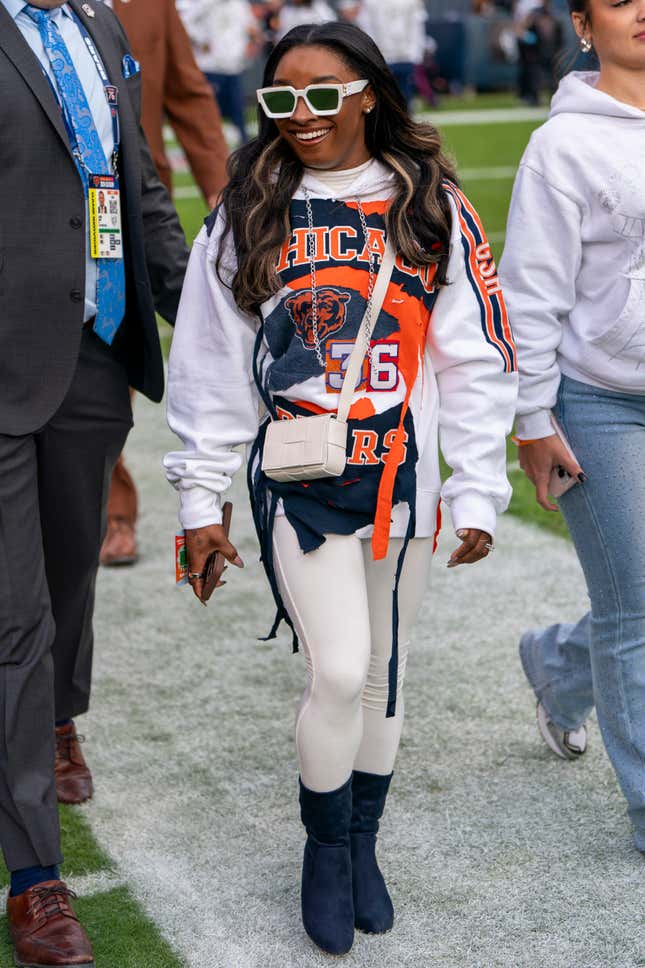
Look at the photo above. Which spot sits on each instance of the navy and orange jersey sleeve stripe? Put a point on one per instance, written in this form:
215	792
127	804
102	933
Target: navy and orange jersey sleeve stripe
483	277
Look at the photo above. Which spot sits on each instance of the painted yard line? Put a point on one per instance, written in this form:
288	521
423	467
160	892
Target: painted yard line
448	119
444	119
99	882
490	116
499	173
506	173
494	116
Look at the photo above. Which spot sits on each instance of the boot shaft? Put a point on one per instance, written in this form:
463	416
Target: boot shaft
369	793
327	816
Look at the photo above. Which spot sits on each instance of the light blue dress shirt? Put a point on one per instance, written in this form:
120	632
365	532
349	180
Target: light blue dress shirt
94	91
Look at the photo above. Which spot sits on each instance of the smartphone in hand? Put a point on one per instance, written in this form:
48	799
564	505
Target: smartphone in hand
216	562
561	481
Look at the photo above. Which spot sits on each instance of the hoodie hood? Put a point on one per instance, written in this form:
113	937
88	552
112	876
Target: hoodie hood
578	94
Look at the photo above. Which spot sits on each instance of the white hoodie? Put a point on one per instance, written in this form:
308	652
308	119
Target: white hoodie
445	359
573	269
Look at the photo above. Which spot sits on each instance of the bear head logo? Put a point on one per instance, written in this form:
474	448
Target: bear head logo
332	305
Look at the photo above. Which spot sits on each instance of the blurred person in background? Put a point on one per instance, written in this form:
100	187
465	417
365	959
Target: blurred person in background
226	34
528	58
573	273
173	87
427	75
348	10
484	8
546	27
399	30
294	13
267	12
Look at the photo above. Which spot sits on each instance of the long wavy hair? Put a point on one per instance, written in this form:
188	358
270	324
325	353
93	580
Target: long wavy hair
265	173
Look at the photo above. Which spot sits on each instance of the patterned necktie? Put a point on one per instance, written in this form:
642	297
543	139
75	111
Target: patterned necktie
110	282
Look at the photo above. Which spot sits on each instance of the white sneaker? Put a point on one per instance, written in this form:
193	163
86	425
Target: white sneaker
567	744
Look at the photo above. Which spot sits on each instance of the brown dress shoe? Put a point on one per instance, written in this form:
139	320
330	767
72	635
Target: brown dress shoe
45	930
73	777
120	544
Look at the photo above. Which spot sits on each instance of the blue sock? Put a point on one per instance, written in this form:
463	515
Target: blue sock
63	722
23	879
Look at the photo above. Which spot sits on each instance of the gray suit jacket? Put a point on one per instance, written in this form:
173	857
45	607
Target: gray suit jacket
42	234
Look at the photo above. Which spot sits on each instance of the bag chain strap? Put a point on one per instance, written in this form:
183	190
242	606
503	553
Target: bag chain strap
311	246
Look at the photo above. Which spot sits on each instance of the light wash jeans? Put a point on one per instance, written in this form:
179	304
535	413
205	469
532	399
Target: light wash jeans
601	660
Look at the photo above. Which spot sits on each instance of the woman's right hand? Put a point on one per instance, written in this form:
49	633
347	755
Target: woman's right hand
537	460
200	543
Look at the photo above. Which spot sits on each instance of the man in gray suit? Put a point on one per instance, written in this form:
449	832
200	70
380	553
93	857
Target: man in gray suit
77	326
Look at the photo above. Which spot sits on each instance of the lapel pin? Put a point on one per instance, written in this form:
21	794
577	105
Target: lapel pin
88	10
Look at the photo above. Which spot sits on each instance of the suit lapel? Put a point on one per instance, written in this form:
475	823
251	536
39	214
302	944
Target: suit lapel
25	61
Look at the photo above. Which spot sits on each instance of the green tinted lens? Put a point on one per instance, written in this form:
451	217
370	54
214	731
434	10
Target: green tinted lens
323	98
279	102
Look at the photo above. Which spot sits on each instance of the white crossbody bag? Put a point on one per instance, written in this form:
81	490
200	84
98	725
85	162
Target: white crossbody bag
306	448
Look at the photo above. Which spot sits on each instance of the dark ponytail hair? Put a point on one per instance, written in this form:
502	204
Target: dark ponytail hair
265	173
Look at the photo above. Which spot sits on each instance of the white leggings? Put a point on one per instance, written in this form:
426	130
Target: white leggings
340	601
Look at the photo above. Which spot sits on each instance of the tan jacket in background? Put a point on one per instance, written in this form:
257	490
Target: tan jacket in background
173	86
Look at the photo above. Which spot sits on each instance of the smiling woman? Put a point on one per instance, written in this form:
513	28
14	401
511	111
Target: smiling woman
320	288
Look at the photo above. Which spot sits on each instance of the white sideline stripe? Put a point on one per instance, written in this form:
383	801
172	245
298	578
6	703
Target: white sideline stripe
443	118
501	173
491	116
100	882
506	173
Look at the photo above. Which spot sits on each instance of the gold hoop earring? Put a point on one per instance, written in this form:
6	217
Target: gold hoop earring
586	45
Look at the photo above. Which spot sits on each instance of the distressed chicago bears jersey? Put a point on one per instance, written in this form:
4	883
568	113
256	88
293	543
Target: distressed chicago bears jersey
441	366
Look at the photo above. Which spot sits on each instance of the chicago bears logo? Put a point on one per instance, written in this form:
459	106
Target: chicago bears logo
332	313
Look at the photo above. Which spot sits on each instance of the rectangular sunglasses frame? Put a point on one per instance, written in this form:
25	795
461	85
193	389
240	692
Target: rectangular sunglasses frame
344	90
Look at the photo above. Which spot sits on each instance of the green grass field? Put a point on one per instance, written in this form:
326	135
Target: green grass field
122	935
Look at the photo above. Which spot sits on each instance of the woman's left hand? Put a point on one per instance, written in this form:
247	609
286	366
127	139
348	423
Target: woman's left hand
475	545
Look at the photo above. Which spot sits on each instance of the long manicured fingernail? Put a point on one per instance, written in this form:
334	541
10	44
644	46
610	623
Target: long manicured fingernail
238	561
582	477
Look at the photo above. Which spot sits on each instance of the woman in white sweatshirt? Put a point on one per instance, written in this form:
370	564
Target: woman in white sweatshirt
279	282
573	272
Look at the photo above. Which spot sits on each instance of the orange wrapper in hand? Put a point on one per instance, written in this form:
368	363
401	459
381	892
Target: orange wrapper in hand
181	564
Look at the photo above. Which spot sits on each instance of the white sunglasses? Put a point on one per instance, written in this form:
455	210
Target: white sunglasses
321	99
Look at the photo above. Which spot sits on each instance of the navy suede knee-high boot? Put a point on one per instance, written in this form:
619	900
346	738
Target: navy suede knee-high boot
373	909
327	905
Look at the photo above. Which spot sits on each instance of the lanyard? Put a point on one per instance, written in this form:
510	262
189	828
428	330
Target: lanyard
111	96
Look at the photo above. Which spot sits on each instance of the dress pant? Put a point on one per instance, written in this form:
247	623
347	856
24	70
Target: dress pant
53	491
122	499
